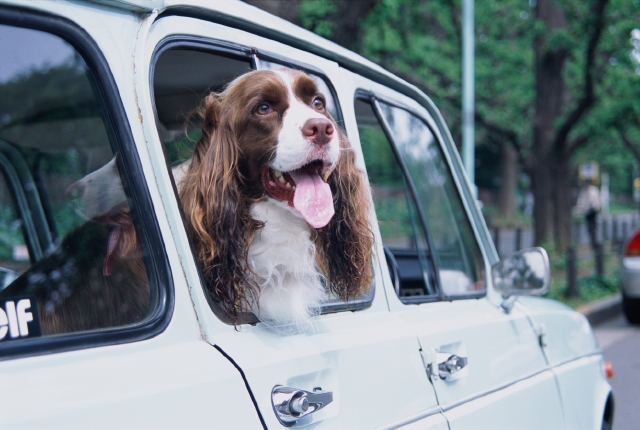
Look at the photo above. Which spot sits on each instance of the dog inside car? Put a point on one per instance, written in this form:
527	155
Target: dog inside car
274	206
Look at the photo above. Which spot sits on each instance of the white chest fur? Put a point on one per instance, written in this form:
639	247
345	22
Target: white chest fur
283	259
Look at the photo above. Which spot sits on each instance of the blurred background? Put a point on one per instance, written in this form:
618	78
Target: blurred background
557	109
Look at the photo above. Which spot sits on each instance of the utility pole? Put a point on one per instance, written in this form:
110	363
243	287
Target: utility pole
468	141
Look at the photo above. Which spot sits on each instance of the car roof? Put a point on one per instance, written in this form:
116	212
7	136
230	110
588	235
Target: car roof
240	15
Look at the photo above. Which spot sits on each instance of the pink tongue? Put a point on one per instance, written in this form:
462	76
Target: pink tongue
312	198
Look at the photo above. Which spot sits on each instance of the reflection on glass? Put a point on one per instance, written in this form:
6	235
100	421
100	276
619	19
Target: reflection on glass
457	253
525	272
80	272
396	209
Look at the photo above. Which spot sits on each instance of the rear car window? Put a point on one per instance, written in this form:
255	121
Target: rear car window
70	258
429	242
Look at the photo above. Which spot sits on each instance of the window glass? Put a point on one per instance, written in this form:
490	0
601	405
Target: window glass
403	234
457	254
70	259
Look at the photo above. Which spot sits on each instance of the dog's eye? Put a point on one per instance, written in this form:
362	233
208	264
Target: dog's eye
318	104
263	109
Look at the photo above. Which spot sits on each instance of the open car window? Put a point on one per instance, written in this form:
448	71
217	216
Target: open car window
182	77
70	258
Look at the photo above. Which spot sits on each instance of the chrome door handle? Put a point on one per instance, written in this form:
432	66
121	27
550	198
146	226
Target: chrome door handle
448	364
291	404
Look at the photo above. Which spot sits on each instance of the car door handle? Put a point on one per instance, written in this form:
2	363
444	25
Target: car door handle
291	404
448	364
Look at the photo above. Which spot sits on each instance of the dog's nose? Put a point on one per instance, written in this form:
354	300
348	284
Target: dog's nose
318	130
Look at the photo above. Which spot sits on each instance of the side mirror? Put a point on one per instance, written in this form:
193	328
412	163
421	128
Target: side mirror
523	273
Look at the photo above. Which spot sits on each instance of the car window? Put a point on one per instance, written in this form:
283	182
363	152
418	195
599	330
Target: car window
457	253
416	161
403	234
70	258
182	78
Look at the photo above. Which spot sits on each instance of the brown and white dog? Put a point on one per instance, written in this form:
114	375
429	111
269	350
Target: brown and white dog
274	205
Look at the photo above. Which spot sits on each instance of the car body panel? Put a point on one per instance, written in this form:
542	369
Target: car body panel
581	382
501	348
566	334
630	276
490	411
160	383
572	352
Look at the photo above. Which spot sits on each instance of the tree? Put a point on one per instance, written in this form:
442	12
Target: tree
334	19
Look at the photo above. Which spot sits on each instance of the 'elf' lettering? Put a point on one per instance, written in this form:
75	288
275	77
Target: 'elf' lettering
16	318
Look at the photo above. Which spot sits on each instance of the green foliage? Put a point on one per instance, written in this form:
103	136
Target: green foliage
181	148
314	13
393	217
591	287
617	92
52	109
381	163
66	216
421	41
65	163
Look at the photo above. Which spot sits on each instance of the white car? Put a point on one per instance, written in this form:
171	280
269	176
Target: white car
445	338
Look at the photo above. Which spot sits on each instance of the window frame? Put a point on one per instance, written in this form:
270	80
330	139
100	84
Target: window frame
234	50
26	200
147	228
374	98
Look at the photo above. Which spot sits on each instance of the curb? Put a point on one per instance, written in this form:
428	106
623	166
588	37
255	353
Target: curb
601	310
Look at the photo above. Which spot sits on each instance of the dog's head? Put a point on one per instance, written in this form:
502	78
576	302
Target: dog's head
285	142
269	135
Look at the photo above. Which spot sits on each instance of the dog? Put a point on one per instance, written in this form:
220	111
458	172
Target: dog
274	205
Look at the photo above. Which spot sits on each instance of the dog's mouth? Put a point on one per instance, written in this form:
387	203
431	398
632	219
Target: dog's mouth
305	189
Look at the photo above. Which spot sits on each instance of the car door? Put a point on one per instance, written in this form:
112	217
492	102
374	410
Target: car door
361	353
61	118
485	364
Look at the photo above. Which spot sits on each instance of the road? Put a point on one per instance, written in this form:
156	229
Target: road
620	344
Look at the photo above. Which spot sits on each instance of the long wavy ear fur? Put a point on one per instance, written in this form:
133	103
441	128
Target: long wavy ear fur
345	244
218	211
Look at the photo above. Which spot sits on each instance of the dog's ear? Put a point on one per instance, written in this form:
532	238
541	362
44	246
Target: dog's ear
218	210
345	244
209	113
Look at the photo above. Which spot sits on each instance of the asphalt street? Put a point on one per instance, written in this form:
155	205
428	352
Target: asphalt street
620	343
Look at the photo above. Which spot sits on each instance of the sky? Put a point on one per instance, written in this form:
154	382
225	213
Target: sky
22	50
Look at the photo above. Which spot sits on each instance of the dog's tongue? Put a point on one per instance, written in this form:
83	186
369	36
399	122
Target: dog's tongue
312	197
